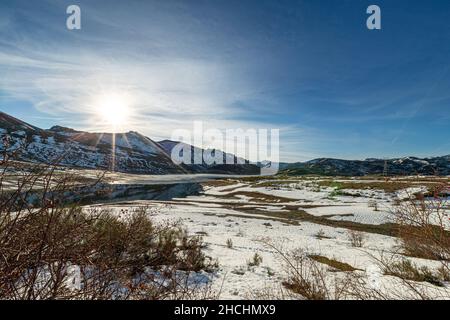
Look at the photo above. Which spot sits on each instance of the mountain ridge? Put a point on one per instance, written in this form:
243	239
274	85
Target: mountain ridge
133	152
240	165
410	165
136	153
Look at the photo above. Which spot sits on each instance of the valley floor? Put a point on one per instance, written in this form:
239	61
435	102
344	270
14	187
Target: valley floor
241	217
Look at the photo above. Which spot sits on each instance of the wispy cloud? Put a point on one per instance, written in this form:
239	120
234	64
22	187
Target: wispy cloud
246	65
166	92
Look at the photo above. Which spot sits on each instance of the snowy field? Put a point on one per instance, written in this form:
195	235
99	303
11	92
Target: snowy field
239	217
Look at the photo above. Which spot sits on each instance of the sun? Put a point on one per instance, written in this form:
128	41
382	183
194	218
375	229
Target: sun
113	110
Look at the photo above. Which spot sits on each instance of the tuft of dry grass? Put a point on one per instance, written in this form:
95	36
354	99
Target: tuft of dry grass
321	235
356	238
255	261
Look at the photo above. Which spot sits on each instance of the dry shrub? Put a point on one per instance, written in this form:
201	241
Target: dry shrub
423	229
305	278
409	281
373	204
423	226
407	270
53	249
356	238
444	272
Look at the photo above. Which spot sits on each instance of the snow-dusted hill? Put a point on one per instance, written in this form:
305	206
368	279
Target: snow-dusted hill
133	152
398	166
238	166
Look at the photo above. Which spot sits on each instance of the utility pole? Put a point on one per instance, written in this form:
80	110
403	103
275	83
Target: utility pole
385	170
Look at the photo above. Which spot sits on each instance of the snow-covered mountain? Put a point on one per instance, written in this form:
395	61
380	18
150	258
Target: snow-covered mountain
133	152
239	166
398	166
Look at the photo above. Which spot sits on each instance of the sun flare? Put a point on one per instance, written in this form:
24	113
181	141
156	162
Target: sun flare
113	110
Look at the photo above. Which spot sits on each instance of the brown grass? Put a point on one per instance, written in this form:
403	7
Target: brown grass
422	227
407	270
335	264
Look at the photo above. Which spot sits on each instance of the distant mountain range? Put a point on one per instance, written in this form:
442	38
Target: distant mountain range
133	152
136	153
398	166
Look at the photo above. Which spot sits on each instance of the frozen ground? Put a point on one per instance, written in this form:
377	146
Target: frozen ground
290	215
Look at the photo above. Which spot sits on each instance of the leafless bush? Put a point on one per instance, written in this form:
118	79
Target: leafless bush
423	230
306	278
51	248
444	272
405	269
409	281
356	238
373	204
423	226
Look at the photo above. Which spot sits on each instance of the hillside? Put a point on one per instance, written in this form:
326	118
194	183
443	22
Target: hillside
397	166
133	152
238	166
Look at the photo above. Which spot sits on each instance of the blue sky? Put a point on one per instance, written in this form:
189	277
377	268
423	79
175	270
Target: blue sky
310	68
